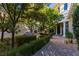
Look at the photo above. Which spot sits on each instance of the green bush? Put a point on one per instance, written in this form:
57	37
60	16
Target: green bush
3	48
25	49
69	35
36	45
3	45
12	52
24	39
76	24
20	40
30	48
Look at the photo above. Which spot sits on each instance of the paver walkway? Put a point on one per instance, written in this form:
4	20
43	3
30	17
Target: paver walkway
57	47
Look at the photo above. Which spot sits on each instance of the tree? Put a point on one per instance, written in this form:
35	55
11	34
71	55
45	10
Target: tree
52	15
3	24
14	12
33	15
76	24
45	16
30	23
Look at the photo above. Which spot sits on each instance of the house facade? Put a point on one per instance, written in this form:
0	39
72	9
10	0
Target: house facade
65	25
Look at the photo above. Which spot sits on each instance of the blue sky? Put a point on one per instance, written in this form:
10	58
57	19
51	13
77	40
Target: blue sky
52	5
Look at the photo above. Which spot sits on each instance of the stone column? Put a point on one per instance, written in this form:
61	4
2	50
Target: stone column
64	29
61	29
56	29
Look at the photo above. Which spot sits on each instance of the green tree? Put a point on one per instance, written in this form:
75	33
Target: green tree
76	24
33	15
3	25
14	12
47	17
52	17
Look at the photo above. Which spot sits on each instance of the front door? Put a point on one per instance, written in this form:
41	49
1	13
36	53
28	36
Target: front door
58	29
61	28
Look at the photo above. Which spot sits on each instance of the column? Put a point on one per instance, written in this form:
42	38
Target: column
61	29
64	29
56	29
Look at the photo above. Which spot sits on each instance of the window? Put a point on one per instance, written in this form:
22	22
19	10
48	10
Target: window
65	6
67	26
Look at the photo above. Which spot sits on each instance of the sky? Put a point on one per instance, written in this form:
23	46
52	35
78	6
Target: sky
52	5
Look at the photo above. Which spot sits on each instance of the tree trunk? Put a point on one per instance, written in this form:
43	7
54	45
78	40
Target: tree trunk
31	28
13	35
2	35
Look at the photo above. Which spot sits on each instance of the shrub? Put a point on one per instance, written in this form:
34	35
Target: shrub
12	52
69	35
3	48
76	24
30	48
36	45
24	39
25	49
20	39
2	45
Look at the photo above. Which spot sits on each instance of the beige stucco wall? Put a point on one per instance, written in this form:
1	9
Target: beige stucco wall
70	25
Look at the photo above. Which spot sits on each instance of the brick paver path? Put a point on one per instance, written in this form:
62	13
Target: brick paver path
57	47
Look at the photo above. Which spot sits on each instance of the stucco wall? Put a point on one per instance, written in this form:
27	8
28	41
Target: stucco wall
70	25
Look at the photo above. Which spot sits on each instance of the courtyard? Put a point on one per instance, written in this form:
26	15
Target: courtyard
38	29
57	47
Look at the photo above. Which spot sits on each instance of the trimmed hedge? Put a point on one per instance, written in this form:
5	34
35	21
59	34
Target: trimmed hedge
19	40
30	48
25	49
24	39
3	49
12	52
38	44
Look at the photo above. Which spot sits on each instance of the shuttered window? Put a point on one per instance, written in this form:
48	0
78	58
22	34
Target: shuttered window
65	6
